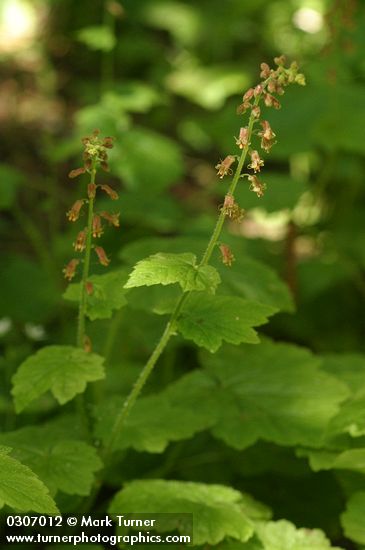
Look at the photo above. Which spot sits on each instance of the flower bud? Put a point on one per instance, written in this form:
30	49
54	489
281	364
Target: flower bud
256	111
248	95
76	172
227	256
258	90
91	190
265	70
89	287
87	344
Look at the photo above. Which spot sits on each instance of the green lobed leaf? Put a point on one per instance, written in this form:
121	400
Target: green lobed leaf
65	370
97	37
178	412
208	320
353	518
167	269
283	535
52	451
21	489
108	294
272	391
350	369
246	278
218	511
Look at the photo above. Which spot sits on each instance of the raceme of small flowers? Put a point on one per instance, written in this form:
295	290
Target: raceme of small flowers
274	82
95	155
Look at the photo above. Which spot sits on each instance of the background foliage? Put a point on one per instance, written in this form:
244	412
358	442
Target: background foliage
285	424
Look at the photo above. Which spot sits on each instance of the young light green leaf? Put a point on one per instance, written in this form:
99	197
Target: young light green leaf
97	37
353	518
21	489
62	463
322	459
246	278
167	269
178	412
218	511
273	391
108	294
209	320
65	370
283	535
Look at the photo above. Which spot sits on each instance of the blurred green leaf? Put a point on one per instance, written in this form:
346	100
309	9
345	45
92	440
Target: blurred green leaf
353	518
10	179
97	38
222	511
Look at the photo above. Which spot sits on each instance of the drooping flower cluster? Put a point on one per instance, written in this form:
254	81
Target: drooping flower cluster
272	85
95	155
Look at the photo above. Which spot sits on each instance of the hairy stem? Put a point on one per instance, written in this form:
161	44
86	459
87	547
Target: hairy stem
85	272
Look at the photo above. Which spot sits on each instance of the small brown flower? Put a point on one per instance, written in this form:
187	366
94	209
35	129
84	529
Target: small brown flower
74	212
110	192
113	219
87	344
89	287
242	140
256	161
97	228
227	256
256	185
80	243
70	270
224	167
267	136
103	258
76	172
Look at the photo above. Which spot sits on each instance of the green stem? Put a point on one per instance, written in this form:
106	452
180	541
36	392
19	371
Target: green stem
170	327
141	380
85	272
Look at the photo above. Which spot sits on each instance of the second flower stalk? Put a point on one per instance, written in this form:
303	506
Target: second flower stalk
95	156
